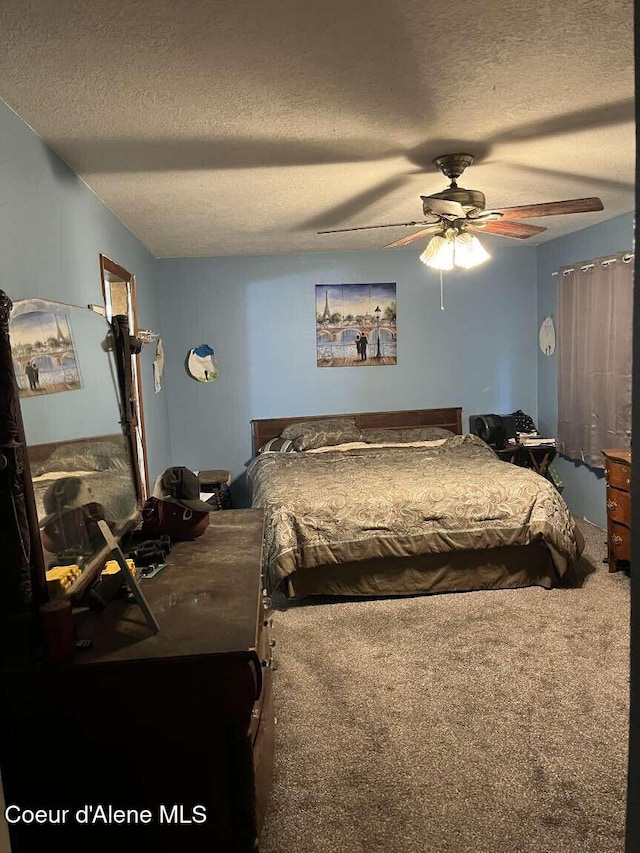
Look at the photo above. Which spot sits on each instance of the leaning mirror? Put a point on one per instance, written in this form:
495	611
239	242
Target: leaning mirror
80	460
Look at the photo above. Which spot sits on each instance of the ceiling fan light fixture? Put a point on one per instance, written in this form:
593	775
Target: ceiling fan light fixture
454	249
439	253
469	251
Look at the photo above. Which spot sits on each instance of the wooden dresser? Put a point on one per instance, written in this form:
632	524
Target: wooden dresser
180	724
617	472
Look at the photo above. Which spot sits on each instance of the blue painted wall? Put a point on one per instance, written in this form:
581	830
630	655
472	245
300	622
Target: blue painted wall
584	486
52	230
258	313
89	410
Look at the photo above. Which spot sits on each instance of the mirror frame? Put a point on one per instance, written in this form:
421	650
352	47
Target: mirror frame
23	583
111	273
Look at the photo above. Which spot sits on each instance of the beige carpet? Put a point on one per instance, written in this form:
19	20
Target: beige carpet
483	722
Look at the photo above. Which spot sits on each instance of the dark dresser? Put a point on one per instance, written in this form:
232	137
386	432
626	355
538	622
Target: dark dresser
178	726
617	472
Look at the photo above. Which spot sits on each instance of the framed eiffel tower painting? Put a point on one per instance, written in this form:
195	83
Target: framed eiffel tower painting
356	325
43	348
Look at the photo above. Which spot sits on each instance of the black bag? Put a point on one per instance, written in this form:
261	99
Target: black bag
524	423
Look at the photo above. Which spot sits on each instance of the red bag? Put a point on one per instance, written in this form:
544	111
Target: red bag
74	528
179	522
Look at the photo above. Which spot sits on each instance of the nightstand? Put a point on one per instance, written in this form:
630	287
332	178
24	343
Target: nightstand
535	456
538	457
509	453
216	483
617	472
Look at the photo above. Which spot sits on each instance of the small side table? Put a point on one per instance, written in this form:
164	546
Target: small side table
510	453
538	457
216	482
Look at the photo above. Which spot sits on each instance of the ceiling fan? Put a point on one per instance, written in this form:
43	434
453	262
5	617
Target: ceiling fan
458	209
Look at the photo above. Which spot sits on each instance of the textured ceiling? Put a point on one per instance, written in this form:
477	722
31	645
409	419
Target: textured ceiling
244	127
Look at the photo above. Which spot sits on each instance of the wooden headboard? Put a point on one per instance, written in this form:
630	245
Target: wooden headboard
267	428
42	452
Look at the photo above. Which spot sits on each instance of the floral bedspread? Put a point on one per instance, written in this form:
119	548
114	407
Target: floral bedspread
336	506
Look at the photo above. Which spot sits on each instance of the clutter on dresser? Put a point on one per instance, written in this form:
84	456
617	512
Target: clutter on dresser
151	550
61	578
176	509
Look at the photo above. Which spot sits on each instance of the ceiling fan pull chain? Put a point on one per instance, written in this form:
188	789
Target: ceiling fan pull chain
441	293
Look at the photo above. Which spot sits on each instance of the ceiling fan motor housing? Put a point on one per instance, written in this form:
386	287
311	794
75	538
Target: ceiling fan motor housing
469	199
453	165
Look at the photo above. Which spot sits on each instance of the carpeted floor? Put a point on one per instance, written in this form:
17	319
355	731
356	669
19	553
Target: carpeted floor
482	722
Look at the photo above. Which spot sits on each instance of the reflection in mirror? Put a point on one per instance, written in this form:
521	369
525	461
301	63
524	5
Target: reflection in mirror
80	459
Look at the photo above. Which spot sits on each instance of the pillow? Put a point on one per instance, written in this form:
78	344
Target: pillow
380	436
277	445
86	456
307	435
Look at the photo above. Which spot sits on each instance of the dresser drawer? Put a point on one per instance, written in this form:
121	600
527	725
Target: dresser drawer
619	506
620	542
265	664
263	751
618	474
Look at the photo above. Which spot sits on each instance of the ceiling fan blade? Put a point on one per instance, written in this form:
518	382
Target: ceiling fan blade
353	206
518	230
551	208
443	207
607	183
386	225
404	241
605	115
124	155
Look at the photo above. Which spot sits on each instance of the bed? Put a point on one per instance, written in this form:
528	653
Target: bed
378	504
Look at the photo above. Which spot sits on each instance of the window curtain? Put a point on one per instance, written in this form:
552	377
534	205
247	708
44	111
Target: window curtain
595	310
